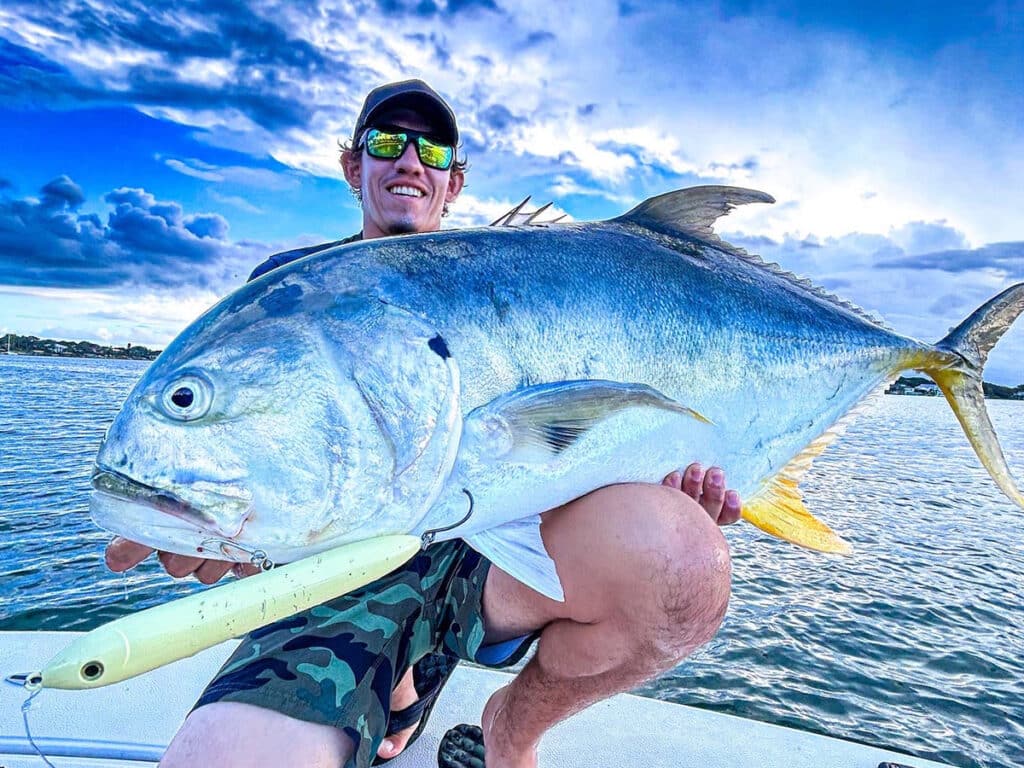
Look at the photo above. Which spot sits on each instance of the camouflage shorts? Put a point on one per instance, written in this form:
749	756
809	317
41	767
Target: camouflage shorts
337	664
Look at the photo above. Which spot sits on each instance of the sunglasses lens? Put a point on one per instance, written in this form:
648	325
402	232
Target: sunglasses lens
388	146
385	145
437	156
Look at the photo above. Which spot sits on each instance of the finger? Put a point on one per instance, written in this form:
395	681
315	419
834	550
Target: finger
674	480
692	481
211	571
732	510
122	554
241	570
713	496
179	566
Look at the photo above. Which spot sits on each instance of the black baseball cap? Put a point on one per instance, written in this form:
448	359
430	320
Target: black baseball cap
410	94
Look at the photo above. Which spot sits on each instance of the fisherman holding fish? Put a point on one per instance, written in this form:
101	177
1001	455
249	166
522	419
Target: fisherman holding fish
645	570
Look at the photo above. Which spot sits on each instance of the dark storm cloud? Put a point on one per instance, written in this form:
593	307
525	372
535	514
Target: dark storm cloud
1004	256
271	67
270	102
48	242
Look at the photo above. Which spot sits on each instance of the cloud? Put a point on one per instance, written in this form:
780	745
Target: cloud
462	6
498	117
262	179
48	242
60	193
923	237
165	57
236	202
631	98
1007	258
194	169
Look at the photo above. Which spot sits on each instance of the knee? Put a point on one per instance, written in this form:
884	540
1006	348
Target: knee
229	734
687	570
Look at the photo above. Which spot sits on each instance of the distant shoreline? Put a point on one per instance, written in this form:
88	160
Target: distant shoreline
33	346
919	386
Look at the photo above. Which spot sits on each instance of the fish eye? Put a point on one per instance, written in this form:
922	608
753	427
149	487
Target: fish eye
187	397
182	397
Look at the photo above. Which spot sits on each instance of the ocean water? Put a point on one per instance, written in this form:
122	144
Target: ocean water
915	642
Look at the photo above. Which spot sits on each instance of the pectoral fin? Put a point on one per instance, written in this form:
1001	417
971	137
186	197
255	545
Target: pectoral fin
517	548
551	417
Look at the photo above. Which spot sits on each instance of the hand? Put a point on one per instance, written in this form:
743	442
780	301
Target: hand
122	555
708	490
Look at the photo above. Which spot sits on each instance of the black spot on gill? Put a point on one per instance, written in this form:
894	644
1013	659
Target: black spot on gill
437	344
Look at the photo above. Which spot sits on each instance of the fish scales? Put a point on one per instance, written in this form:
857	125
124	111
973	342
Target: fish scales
698	325
364	390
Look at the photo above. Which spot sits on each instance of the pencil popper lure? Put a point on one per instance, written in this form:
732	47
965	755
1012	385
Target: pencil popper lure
181	628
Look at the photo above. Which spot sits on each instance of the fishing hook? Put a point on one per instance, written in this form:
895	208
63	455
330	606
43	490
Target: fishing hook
257	557
428	537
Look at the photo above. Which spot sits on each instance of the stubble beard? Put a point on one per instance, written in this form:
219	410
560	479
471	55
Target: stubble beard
403	226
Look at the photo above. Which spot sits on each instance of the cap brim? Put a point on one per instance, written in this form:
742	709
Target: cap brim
438	116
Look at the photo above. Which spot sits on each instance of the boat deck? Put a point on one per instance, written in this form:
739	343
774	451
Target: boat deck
128	725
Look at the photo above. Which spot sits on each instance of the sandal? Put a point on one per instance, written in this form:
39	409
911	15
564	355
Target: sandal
462	747
429	676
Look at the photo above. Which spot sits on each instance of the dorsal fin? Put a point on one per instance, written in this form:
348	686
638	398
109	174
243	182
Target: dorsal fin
517	217
692	211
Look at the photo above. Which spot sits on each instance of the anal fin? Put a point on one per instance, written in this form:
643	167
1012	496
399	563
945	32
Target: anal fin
779	508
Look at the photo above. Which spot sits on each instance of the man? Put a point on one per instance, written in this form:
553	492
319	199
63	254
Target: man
645	569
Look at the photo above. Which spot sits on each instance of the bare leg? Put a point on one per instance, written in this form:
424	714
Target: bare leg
227	734
646	574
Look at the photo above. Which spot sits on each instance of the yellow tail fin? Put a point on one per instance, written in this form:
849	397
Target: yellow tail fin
956	364
961	380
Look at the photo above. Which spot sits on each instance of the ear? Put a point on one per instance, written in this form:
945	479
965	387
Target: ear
352	166
455	182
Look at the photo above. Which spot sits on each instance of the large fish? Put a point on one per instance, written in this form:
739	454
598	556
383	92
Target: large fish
460	383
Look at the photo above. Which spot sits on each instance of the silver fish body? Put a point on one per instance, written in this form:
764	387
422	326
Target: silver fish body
377	387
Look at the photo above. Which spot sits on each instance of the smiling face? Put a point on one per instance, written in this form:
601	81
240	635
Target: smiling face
400	196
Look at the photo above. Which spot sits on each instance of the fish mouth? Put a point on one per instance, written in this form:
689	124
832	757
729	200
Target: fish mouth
220	513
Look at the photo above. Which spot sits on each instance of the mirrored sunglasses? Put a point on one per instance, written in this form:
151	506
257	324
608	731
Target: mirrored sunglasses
389	145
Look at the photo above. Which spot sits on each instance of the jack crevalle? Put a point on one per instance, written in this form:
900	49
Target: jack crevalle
463	382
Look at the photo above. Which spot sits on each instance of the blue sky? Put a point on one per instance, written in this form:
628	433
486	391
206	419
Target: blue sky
153	153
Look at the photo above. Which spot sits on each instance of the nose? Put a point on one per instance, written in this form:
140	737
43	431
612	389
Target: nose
409	161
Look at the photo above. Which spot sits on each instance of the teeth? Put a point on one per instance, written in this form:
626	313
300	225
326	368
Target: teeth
408	191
